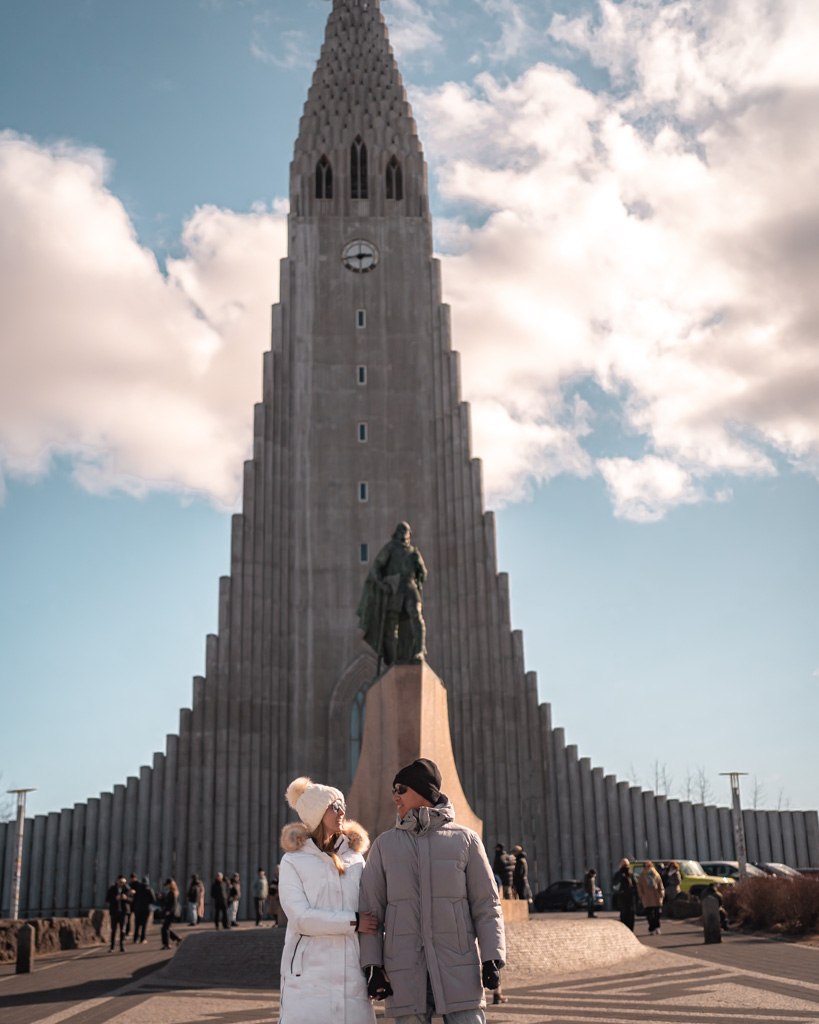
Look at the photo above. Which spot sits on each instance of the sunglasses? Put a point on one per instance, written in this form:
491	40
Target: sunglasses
399	789
337	806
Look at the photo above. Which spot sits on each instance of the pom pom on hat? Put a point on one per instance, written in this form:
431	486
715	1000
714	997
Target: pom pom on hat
310	800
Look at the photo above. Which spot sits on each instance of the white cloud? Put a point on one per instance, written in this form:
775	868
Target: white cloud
144	380
516	34
412	31
661	240
289	51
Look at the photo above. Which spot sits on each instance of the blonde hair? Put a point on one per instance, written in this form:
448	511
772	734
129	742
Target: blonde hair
325	841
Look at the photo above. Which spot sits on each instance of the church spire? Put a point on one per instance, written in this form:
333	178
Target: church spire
358	140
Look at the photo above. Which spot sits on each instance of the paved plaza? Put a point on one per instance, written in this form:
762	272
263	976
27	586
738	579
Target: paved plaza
676	980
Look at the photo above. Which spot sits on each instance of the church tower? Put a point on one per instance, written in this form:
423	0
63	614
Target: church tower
361	426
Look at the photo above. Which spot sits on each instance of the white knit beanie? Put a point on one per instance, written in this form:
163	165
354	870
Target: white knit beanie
310	800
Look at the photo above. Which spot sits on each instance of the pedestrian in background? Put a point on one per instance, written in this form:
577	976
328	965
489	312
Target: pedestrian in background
118	899
234	895
673	881
196	892
143	899
219	893
261	890
625	897
590	885
651	891
504	867
520	875
170	912
133	882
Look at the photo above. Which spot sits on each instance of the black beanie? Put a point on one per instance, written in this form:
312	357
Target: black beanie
422	776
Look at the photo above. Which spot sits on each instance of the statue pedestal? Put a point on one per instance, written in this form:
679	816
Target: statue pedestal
407	717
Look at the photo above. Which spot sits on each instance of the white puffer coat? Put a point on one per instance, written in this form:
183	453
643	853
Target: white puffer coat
321	972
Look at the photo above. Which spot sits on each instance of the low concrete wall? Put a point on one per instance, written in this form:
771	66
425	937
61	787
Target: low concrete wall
547	945
535	949
57	933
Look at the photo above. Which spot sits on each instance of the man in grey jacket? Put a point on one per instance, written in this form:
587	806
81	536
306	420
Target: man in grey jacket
429	883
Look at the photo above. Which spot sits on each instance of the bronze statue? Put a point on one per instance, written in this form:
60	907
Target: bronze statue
390	611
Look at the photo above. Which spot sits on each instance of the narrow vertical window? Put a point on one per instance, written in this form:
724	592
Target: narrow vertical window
363	492
324	179
358	169
362	431
362	375
395	180
361	317
364	554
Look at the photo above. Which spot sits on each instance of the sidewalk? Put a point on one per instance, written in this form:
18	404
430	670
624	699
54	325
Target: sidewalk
659	987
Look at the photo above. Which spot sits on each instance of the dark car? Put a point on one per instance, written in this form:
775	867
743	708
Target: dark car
777	869
568	894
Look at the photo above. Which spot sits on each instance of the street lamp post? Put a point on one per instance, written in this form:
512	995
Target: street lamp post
18	860
739	824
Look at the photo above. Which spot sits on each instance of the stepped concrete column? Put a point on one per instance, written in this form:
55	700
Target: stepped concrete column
763	835
603	830
155	820
617	848
129	826
35	887
726	832
676	824
75	859
689	829
564	802
775	832
638	821
652	825
50	862
592	852
751	839
788	839
703	850
576	796
664	828
407	718
812	835
627	822
89	853
63	854
104	870
115	853
143	815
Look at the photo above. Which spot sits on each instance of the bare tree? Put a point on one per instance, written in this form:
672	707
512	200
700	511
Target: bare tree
783	803
703	787
757	794
688	786
662	779
8	805
634	776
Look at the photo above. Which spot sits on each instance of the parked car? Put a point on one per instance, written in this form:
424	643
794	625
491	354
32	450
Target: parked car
777	869
730	868
567	894
693	879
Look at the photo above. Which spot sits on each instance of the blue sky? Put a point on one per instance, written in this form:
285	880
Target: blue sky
623	197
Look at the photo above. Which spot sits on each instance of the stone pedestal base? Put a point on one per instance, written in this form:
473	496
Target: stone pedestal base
407	717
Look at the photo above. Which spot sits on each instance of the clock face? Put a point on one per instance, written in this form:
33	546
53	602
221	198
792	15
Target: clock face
360	256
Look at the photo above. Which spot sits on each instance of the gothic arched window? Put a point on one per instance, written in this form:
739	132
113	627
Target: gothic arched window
324	179
395	180
358	169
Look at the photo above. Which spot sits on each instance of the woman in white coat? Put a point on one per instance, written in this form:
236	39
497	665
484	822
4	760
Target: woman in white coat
319	878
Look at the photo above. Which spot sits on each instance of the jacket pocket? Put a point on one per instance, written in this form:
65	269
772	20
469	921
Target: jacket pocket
297	959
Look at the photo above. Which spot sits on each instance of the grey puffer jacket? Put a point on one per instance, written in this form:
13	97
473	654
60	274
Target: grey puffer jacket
429	881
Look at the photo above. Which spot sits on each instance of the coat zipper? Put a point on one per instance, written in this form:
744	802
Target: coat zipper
293	959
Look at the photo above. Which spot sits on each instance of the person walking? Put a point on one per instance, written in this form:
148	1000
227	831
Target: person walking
319	878
625	897
195	894
651	892
673	882
219	893
144	898
234	895
170	913
261	890
504	868
590	887
274	907
520	875
429	883
133	882
118	899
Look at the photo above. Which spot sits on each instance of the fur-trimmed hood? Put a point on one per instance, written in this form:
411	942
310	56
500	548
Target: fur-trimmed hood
296	834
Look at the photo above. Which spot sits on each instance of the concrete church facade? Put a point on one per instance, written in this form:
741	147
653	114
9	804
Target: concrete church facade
361	425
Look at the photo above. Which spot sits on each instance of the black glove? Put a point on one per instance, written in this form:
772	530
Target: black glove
377	985
490	974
